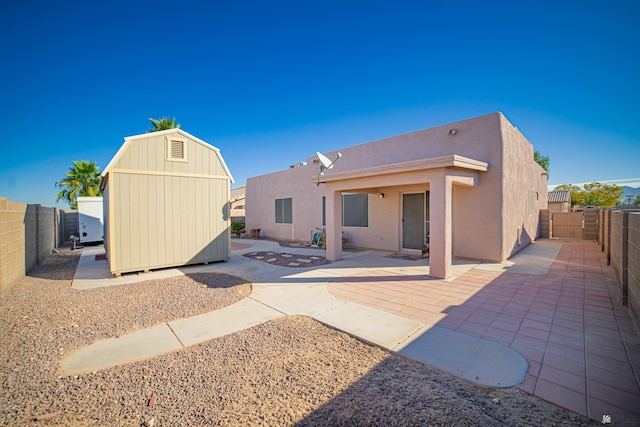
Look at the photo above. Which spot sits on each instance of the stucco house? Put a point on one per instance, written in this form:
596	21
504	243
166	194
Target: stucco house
471	189
559	201
166	203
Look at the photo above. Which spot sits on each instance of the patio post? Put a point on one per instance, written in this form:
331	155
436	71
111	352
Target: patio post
334	224
440	226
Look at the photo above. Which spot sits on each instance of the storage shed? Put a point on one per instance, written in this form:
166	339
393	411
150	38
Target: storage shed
166	203
559	201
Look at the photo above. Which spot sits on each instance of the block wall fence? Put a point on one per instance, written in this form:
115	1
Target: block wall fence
619	239
28	234
617	233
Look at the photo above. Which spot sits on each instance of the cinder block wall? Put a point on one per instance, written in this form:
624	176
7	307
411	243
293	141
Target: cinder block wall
28	234
633	270
46	238
601	216
69	225
620	237
591	217
12	262
618	250
606	237
30	237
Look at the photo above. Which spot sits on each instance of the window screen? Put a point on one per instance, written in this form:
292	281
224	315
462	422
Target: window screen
355	210
284	213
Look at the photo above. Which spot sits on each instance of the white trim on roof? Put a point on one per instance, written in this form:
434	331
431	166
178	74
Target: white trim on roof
452	160
129	139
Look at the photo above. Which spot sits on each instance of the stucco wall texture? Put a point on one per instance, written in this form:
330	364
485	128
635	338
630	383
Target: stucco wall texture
494	211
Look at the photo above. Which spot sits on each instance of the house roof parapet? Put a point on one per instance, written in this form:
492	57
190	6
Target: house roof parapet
453	160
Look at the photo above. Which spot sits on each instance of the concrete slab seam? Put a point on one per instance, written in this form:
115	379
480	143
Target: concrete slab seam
176	335
267	305
411	337
407	337
342	302
353	335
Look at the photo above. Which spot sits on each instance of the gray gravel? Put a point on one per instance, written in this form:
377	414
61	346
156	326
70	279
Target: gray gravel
290	371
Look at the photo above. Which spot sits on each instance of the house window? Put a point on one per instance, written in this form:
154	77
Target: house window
176	150
530	202
355	210
284	211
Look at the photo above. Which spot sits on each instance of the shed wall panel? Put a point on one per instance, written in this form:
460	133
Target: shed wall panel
170	221
165	213
170	243
106	217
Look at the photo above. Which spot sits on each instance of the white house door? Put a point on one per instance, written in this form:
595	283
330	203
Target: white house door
415	220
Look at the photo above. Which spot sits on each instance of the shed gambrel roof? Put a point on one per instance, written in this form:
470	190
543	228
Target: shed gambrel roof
559	196
129	139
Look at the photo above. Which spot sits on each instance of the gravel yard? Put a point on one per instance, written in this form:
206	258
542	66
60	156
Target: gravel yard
290	371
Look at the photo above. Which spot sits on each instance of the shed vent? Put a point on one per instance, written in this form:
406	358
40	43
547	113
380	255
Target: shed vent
176	150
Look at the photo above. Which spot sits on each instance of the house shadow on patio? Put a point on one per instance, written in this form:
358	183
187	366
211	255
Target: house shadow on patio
561	312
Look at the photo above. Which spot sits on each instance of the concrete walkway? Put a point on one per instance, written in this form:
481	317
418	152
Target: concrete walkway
416	315
280	291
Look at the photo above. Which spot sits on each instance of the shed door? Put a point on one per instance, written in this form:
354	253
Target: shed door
415	222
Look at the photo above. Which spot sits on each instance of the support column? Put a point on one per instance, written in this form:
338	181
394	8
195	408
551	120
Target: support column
334	224
440	194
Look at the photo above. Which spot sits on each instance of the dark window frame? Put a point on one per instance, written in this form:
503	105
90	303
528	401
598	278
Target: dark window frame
349	202
284	210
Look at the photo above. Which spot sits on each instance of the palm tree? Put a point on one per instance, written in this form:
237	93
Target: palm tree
163	124
83	179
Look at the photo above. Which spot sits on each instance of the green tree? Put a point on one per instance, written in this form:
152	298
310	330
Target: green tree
577	193
602	195
542	160
83	179
636	201
163	124
593	194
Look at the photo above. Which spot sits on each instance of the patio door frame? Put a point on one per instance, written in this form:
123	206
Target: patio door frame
424	221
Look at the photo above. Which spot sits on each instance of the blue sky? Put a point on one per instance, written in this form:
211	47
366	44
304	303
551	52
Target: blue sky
270	83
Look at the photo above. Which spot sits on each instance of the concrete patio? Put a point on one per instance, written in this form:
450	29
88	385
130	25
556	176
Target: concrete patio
582	347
